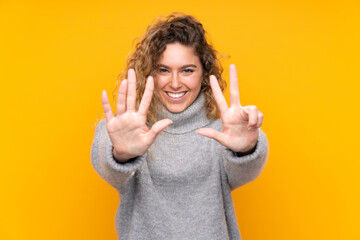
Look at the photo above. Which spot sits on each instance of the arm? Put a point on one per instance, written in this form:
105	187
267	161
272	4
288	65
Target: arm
103	161
246	168
240	133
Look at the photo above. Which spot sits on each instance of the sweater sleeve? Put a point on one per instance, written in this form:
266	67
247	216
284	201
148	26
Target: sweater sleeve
103	161
244	169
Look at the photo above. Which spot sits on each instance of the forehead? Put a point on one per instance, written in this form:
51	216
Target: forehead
177	54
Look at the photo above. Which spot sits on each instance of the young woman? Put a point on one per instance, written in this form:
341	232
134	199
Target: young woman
173	162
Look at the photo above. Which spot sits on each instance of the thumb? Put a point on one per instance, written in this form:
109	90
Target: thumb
212	133
157	128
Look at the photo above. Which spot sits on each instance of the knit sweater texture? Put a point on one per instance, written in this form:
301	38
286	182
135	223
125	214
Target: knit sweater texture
181	187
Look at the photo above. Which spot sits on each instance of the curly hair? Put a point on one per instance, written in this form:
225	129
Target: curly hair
174	28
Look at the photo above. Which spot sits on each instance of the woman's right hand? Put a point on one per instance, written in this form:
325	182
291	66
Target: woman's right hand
127	130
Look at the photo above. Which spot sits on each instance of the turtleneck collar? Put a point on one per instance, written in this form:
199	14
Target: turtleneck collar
192	118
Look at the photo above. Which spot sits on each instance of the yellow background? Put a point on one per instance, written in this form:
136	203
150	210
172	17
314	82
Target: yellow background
298	62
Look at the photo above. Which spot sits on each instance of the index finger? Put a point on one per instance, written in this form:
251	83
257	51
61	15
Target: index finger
234	86
146	99
218	95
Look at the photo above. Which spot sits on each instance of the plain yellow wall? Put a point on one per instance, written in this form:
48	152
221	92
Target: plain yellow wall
298	62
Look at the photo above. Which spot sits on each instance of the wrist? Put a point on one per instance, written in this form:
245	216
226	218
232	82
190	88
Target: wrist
121	157
243	153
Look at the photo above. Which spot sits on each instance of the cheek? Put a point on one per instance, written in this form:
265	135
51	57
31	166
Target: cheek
195	83
160	82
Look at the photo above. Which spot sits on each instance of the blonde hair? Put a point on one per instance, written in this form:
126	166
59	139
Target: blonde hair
174	28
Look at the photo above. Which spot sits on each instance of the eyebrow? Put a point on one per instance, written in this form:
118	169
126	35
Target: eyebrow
185	66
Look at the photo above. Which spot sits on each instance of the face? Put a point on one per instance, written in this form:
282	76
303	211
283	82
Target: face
179	77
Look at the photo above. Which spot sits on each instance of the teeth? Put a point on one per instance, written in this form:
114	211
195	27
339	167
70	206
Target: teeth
176	95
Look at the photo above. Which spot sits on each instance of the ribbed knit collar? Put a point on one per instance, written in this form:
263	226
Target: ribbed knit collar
192	118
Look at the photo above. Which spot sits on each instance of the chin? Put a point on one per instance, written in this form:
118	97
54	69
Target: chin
176	109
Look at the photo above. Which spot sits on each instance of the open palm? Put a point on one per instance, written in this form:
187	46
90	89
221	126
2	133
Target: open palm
240	125
127	130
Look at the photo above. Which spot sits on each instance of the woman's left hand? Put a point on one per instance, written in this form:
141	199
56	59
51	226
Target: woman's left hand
240	125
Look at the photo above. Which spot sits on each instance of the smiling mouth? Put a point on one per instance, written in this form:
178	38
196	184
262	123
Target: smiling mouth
175	94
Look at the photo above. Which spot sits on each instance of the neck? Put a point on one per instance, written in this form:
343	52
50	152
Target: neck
192	118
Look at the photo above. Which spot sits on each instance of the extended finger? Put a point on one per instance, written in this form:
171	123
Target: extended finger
212	133
157	128
219	97
146	99
106	106
234	87
121	106
131	94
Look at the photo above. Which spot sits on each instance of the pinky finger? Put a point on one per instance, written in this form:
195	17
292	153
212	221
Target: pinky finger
106	106
260	120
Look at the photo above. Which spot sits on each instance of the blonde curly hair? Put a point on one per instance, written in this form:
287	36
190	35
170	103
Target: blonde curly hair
174	28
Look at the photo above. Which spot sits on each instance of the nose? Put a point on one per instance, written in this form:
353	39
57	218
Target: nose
175	82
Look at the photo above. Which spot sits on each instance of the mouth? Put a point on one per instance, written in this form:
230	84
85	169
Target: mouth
176	96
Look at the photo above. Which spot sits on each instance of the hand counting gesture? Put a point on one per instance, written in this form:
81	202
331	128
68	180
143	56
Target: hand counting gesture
127	130
239	124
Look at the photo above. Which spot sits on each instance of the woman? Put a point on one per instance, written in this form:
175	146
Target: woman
173	162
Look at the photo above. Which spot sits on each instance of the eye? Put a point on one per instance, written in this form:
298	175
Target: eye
188	70
162	70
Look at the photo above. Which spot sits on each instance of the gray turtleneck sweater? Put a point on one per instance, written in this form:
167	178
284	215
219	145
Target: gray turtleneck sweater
181	188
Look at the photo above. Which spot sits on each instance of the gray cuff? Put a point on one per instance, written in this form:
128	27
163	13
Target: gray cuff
260	151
